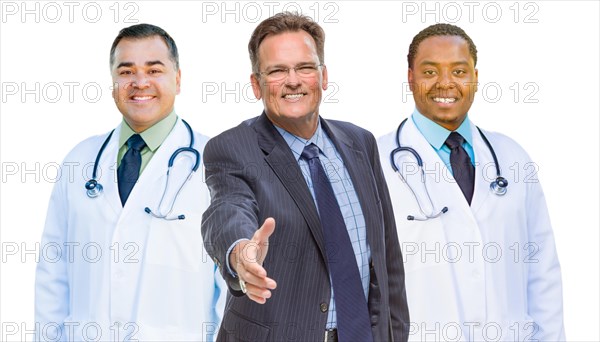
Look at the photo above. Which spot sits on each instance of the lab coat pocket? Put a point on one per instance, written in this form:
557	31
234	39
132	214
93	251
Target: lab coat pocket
422	244
176	244
524	330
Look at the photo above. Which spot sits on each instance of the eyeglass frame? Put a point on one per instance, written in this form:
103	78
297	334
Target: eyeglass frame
287	71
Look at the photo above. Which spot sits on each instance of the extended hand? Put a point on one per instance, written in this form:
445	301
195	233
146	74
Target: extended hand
247	258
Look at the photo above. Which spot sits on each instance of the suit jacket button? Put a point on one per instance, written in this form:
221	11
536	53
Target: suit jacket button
324	307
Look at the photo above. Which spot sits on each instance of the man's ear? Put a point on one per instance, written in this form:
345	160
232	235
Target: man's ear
256	86
325	77
410	80
115	91
178	81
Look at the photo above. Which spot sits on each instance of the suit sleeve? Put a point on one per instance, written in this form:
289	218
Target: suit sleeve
544	288
51	278
233	212
399	314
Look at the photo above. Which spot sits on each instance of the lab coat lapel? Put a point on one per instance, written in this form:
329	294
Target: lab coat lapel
485	171
107	171
281	160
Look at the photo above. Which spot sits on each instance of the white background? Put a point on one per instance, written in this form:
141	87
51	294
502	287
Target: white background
549	48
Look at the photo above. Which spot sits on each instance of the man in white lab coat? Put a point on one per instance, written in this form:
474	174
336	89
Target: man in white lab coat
480	258
123	256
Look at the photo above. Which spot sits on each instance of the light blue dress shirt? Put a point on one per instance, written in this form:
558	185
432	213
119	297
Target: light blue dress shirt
346	197
436	135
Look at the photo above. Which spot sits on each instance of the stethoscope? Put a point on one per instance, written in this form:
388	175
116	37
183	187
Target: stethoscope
498	186
94	189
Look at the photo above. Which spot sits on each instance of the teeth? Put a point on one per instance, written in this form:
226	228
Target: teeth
142	98
444	99
293	96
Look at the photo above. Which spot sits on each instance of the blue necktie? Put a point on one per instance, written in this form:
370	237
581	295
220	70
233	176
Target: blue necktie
353	321
462	168
129	170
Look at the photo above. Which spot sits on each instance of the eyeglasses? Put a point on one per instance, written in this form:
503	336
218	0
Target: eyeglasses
278	74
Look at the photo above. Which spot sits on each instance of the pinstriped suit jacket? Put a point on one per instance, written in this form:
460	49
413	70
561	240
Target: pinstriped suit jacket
252	174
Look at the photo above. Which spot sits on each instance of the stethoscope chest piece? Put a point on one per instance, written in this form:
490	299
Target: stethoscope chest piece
499	186
93	188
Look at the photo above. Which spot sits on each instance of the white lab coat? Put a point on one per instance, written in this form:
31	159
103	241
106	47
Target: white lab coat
484	272
115	273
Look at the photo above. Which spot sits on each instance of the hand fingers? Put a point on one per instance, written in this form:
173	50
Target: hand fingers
257	281
249	263
257	294
259	300
255	274
261	292
258	286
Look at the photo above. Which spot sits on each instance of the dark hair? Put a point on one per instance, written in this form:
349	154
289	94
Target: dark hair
439	30
141	31
285	22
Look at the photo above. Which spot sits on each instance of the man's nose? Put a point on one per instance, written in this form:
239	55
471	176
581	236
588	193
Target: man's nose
445	81
141	81
292	78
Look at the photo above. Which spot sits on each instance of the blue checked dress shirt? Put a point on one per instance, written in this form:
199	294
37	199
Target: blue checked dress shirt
346	197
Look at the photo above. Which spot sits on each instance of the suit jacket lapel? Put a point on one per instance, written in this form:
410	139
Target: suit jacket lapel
281	160
360	173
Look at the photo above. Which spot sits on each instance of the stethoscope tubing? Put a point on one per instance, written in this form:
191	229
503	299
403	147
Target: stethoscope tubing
94	188
498	186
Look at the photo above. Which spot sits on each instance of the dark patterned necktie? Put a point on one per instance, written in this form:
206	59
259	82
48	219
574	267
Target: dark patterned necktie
353	321
129	170
462	168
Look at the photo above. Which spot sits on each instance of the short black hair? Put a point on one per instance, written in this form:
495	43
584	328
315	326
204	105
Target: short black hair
141	31
439	30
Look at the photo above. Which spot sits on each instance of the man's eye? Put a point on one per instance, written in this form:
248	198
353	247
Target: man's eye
429	72
306	69
125	72
459	72
155	71
276	72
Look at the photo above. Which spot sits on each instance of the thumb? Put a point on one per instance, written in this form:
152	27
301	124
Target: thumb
261	236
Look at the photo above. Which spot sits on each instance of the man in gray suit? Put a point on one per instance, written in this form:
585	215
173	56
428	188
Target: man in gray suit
332	269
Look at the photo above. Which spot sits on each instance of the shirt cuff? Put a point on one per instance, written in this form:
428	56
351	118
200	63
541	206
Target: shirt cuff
229	269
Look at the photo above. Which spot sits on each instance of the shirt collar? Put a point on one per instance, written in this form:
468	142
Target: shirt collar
297	143
153	136
435	134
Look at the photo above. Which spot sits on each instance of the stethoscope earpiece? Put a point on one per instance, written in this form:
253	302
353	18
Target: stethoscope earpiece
178	217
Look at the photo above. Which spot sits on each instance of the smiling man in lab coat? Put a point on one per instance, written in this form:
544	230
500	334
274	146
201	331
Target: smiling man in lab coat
123	253
480	261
